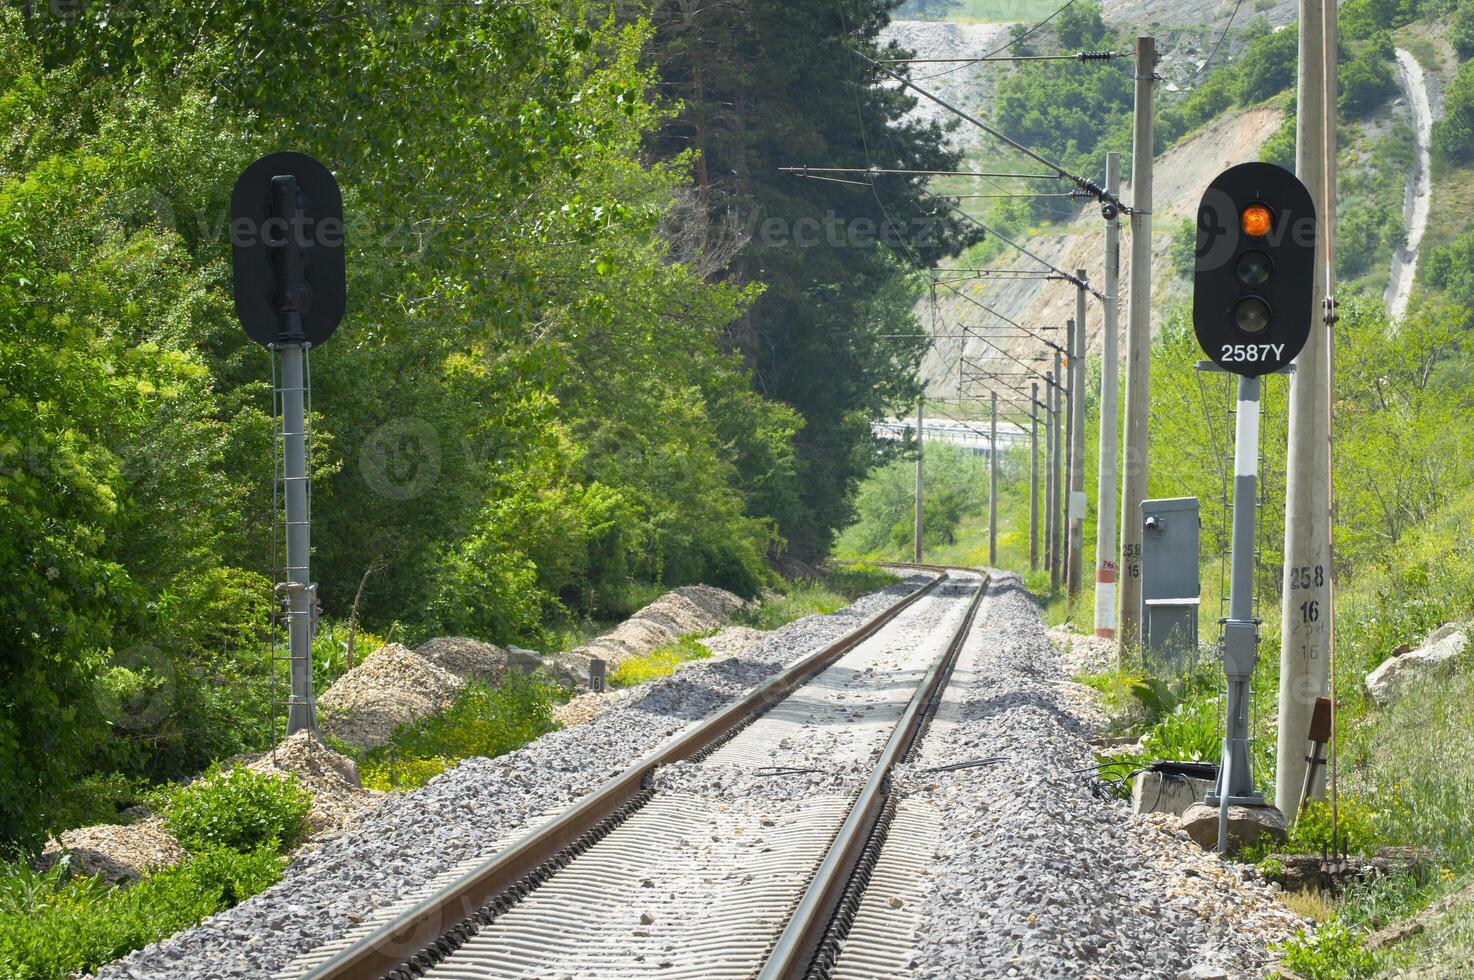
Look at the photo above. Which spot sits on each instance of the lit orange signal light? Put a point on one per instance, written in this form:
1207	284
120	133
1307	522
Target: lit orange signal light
1256	220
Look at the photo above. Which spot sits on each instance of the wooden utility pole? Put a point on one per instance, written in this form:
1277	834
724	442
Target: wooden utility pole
993	483
1077	445
1305	616
1034	477
1138	347
1105	507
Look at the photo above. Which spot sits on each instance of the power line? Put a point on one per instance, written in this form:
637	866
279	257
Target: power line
873	171
1081	56
1066	276
1084	183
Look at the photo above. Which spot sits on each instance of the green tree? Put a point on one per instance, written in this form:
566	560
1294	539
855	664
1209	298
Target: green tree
1453	135
765	84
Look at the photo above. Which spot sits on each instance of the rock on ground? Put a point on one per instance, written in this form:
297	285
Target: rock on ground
119	854
1400	674
391	686
332	779
1246	824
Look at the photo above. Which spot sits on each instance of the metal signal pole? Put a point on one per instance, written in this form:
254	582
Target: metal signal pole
1105	509
1077	445
1138	347
993	483
1034	476
1304	623
1241	630
920	480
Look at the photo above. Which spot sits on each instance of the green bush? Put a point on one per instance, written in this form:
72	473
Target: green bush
1331	952
1453	135
389	774
238	808
53	925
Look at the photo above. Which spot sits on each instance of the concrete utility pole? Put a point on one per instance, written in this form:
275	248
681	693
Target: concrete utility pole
1105	488
1138	347
1072	398
1034	477
1077	446
920	482
1305	617
1056	538
1049	436
993	484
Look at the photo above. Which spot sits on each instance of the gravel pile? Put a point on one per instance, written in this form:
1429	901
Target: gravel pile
581	709
392	686
1035	876
689	609
470	660
332	779
733	641
465	812
119	854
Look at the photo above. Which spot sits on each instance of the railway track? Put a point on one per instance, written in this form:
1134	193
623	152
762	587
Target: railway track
740	847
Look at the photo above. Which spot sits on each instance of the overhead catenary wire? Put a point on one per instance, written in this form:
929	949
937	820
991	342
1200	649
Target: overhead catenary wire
1076	56
1084	183
813	172
1066	276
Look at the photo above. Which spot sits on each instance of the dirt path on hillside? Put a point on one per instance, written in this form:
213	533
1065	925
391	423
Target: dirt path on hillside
1419	192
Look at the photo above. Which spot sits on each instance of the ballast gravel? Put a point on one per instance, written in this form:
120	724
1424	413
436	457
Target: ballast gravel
1034	875
466	811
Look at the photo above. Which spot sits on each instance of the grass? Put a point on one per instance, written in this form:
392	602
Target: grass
54	924
482	721
659	662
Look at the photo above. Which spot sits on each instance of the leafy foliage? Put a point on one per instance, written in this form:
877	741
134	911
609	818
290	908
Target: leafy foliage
1453	134
1332	951
53	926
237	808
552	384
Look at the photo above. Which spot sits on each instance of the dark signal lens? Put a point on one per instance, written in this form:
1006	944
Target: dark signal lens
1251	315
1254	268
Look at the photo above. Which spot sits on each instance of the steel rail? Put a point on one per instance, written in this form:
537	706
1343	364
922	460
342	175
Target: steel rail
424	934
808	933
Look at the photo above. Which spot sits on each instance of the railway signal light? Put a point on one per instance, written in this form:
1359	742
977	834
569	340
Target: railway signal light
1254	271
